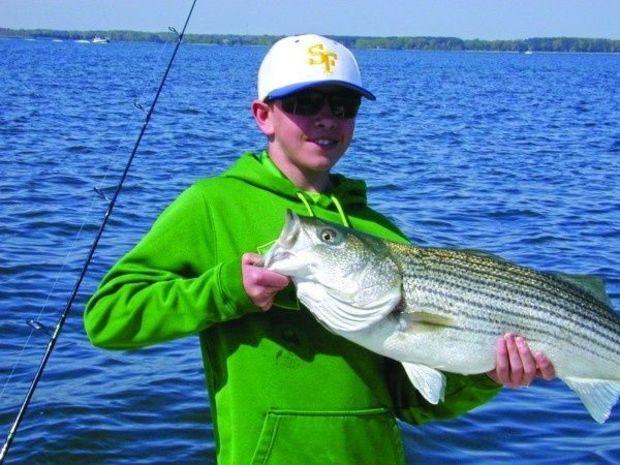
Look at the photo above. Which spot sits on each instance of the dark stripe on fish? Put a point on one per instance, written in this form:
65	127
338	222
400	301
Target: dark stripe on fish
475	314
578	319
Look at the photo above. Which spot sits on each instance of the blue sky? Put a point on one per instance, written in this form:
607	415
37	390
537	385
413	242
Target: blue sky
467	19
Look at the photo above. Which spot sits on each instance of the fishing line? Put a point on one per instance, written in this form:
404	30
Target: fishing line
35	323
56	332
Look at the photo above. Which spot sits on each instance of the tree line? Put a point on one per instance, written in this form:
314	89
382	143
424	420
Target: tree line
535	44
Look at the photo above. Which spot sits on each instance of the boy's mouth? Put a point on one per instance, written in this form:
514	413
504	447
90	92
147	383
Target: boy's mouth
323	141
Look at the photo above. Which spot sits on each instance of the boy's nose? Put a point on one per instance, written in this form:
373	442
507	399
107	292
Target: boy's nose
325	117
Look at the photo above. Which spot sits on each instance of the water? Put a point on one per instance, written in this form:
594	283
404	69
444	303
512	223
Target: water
518	155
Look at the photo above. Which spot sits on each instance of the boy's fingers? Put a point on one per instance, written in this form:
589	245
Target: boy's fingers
545	367
516	366
271	280
251	259
262	277
501	362
268	304
527	362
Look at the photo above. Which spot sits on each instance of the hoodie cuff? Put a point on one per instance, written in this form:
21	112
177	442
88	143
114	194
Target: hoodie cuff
231	283
485	383
479	382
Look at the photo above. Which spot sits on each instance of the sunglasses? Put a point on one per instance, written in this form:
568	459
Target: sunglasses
343	104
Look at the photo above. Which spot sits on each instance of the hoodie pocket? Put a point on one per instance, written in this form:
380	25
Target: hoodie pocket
361	437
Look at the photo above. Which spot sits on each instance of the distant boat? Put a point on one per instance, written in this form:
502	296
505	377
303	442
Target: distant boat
82	41
101	40
528	52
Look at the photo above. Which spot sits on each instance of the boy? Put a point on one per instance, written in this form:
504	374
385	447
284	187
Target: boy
283	390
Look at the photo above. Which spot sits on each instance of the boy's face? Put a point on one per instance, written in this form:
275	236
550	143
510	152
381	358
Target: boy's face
313	129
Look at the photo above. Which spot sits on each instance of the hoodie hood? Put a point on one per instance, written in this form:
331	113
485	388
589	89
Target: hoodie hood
349	193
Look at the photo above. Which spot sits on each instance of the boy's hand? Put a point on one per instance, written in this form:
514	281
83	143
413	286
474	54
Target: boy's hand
261	285
516	365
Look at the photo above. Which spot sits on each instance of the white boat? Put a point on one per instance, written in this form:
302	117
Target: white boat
82	41
100	40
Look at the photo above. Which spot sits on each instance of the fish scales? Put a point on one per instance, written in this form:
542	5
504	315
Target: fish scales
504	319
441	309
424	272
487	266
442	276
519	307
477	323
522	279
546	333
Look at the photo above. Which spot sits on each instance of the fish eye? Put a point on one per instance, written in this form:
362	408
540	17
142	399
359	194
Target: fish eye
328	235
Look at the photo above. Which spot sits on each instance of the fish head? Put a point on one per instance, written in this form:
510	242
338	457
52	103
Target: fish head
347	279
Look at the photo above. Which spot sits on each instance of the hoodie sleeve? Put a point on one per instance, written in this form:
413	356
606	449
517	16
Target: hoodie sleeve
463	393
171	284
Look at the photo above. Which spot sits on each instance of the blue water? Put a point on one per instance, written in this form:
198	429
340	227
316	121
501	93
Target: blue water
515	154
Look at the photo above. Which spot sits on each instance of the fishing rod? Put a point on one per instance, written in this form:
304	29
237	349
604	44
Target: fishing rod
63	317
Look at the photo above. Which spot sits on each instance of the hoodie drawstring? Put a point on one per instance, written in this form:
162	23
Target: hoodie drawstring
343	217
336	202
306	203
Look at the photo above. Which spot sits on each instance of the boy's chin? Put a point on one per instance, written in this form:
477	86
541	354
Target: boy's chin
323	163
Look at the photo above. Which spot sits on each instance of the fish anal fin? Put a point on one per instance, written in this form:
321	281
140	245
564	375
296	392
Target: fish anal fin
597	395
429	382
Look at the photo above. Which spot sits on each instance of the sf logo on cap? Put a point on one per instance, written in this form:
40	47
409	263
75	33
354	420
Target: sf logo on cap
318	56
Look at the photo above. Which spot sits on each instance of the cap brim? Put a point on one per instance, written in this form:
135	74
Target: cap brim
288	90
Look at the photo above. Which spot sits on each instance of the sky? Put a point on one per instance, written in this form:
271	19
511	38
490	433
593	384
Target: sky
466	19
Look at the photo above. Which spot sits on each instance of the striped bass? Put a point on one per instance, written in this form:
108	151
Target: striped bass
437	309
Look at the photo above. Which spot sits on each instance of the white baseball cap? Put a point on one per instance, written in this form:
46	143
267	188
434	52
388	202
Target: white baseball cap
298	62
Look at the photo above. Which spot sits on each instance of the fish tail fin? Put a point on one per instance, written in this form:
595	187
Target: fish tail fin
598	395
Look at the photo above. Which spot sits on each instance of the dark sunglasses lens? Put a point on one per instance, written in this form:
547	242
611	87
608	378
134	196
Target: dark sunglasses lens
344	105
304	103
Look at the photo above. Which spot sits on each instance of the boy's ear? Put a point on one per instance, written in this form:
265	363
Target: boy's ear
262	115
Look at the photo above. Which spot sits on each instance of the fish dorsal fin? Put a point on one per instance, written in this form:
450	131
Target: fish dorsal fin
593	285
480	253
429	382
598	396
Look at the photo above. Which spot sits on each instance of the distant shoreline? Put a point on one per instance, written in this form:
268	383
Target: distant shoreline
534	44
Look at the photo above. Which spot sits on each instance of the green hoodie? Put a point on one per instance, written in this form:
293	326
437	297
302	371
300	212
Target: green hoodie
282	388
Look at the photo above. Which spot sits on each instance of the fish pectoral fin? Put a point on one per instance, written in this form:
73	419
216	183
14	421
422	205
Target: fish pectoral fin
429	382
429	318
598	395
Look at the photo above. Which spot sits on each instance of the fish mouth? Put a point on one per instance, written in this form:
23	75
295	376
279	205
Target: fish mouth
292	228
285	242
